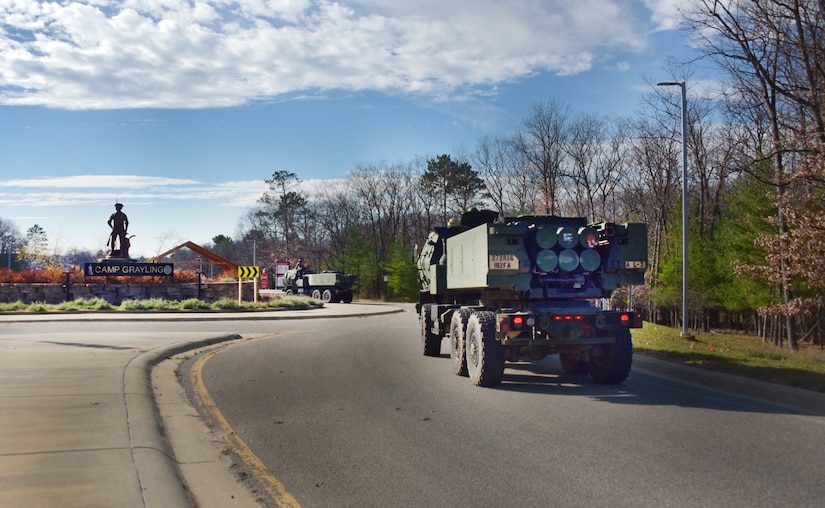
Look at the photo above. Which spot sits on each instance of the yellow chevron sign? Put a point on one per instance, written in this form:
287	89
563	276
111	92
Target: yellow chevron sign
249	272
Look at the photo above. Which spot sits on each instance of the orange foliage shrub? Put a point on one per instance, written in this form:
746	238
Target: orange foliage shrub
54	275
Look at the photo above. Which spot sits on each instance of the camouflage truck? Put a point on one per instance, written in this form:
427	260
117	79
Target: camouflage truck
527	287
327	286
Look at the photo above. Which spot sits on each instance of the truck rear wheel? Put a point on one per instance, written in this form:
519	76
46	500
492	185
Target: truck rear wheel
458	343
430	342
316	293
610	363
347	298
326	296
485	355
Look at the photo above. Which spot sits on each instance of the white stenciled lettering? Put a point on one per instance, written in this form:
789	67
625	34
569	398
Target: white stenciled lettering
503	262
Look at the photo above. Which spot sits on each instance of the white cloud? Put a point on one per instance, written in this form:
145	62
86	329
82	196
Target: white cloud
622	66
665	13
96	181
183	54
132	190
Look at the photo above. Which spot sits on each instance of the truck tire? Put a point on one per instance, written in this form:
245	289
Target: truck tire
347	298
458	343
610	363
485	355
573	364
326	296
316	293
430	342
288	292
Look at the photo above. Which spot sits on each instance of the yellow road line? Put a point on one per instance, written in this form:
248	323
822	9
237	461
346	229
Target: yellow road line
251	462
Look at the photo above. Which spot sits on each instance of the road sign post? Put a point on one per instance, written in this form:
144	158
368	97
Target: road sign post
248	272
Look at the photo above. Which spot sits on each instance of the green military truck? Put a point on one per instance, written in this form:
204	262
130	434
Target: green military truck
530	286
326	286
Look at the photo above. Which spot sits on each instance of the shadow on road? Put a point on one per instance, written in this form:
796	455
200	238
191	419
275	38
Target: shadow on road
93	346
640	388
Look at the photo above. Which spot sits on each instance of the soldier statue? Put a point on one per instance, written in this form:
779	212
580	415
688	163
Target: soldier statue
119	224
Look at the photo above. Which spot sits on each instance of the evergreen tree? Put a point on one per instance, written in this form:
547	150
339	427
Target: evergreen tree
742	222
285	209
402	274
35	250
455	184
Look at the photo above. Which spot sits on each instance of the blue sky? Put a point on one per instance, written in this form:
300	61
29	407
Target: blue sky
181	109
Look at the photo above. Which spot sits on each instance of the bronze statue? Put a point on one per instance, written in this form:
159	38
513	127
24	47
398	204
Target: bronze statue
119	224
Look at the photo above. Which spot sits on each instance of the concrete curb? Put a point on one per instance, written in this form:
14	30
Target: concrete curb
788	397
157	469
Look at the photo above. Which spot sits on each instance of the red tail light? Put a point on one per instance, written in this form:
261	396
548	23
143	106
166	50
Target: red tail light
568	318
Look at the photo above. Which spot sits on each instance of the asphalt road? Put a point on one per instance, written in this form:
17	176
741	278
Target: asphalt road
347	412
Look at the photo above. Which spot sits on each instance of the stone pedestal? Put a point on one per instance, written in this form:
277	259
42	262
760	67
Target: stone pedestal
116	257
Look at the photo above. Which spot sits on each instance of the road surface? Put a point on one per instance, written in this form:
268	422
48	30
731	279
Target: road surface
347	412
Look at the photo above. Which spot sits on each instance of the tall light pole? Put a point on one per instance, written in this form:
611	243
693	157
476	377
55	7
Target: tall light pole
681	84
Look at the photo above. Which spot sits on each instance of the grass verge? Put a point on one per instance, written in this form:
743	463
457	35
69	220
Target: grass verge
740	355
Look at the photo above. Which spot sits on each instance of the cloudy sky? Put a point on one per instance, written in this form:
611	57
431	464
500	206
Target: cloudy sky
180	109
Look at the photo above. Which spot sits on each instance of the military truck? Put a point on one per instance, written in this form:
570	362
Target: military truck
527	287
327	286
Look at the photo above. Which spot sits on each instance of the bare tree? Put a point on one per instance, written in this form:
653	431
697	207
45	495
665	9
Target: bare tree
542	141
337	214
503	168
654	155
596	152
385	196
10	238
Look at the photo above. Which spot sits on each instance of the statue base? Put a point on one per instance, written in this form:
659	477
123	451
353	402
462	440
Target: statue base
116	257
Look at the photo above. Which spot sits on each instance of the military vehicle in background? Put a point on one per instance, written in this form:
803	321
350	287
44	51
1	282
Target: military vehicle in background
530	286
326	286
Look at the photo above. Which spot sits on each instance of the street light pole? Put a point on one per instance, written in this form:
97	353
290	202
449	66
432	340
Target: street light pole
681	84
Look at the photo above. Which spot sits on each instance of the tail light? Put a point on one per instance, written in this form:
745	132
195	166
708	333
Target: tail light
513	324
630	319
570	317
